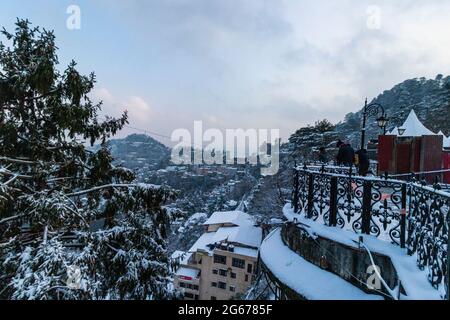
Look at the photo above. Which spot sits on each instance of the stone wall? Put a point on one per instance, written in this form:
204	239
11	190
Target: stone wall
349	263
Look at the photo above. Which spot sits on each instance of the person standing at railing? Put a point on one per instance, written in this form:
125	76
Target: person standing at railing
346	154
322	156
362	161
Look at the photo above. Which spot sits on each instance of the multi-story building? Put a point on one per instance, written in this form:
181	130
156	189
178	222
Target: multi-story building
222	263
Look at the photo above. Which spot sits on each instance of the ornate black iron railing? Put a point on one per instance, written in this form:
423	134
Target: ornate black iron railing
408	214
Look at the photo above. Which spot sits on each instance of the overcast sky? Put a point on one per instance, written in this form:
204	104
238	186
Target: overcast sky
247	63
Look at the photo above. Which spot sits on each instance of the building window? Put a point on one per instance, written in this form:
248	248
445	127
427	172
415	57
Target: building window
222	285
232	289
214	271
213	298
249	268
220	259
182	285
195	287
233	275
223	273
246	278
189	295
213	284
239	263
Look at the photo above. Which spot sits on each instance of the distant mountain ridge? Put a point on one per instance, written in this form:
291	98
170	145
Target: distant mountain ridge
430	99
139	151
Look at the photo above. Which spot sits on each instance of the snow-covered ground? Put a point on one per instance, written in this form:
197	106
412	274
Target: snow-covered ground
414	281
305	278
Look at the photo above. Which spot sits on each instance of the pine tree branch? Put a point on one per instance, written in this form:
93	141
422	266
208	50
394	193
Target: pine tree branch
43	95
18	216
80	193
14	175
18	161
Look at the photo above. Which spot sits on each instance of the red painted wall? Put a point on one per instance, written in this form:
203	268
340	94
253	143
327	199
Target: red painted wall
446	165
385	153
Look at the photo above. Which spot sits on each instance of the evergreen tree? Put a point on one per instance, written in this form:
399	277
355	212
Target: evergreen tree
306	140
62	206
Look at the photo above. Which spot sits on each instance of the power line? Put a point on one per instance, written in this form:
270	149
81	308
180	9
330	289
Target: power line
153	133
149	132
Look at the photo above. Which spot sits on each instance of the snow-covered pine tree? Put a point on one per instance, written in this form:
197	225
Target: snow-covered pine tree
305	141
61	205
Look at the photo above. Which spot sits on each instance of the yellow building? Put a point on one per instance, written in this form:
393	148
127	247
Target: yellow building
222	263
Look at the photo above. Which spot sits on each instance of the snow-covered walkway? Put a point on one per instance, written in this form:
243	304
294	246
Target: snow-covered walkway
414	281
305	278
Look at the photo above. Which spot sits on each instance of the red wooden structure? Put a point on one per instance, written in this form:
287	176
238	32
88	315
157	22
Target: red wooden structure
402	155
446	165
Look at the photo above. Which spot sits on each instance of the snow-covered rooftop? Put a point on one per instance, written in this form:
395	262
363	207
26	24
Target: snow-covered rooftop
203	242
177	254
243	232
247	235
413	127
236	218
188	272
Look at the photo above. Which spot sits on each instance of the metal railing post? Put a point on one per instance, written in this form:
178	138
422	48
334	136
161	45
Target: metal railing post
366	207
296	186
403	218
448	259
333	201
310	195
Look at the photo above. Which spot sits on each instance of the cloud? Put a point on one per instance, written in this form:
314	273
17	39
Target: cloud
139	111
275	64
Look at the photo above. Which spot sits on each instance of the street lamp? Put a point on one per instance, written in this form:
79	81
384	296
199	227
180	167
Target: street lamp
382	121
372	110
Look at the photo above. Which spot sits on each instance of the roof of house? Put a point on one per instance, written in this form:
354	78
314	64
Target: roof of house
188	272
243	233
236	218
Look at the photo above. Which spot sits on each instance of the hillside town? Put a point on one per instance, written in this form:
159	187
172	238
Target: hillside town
296	187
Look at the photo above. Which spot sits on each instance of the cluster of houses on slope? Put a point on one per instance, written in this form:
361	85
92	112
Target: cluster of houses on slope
222	263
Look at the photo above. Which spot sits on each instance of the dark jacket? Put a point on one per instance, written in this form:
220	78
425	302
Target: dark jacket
363	158
346	155
322	157
363	162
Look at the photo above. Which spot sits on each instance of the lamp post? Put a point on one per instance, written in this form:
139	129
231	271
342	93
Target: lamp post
372	110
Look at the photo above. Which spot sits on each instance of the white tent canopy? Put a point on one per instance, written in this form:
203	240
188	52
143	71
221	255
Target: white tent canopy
413	127
394	132
447	142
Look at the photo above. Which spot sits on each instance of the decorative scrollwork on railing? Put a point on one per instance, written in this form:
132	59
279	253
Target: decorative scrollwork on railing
386	208
379	207
321	198
428	233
